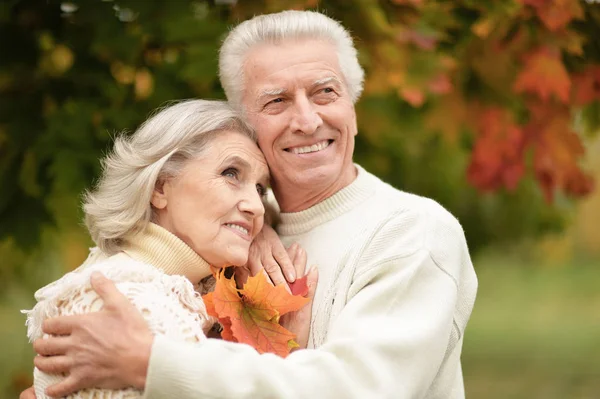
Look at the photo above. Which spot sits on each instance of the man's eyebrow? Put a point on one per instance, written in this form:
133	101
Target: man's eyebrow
328	79
271	93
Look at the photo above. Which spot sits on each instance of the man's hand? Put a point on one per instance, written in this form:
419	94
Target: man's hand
107	349
29	393
268	253
299	322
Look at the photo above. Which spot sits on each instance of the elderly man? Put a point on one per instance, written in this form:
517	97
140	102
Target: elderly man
396	284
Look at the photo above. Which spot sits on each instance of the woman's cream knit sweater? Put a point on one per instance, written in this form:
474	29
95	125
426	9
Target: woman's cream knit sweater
155	270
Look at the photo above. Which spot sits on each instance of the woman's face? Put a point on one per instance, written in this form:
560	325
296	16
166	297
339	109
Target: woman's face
215	204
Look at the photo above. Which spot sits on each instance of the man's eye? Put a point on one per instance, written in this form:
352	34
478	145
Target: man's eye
275	101
328	90
230	172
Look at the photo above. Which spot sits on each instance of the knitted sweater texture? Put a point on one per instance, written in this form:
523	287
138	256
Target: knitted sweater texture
396	289
155	271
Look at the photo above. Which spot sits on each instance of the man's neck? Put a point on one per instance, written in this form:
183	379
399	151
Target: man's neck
292	198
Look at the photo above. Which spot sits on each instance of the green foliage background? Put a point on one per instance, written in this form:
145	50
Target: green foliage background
74	74
71	80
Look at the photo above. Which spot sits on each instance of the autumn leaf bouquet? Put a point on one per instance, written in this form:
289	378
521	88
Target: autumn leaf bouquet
251	314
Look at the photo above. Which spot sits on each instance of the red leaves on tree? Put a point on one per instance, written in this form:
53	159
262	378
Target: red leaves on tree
497	159
556	14
544	74
251	315
499	152
557	150
586	85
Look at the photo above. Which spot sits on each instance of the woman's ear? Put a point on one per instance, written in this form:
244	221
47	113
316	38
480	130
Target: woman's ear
159	196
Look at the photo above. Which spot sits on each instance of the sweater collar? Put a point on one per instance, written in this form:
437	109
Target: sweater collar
165	251
341	202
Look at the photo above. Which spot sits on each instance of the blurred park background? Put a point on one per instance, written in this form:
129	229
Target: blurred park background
490	107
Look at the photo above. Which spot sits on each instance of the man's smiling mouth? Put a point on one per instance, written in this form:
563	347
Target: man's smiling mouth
321	145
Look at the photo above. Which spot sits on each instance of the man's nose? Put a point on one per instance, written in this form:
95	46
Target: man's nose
306	119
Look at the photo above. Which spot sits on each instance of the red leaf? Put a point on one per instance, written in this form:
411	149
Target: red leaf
544	74
497	159
586	85
557	151
556	14
413	96
299	287
440	84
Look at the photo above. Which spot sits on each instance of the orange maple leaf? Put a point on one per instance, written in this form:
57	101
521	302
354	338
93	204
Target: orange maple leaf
557	151
413	96
586	85
556	14
544	74
251	314
497	159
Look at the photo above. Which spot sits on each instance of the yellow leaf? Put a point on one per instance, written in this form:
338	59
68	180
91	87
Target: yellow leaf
144	84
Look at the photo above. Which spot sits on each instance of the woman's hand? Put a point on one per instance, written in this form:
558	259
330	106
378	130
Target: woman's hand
268	253
299	322
106	349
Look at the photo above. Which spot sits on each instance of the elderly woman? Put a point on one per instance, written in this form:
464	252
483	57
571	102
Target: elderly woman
178	199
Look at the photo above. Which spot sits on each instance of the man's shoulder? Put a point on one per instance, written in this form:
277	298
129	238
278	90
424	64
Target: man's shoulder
408	222
395	204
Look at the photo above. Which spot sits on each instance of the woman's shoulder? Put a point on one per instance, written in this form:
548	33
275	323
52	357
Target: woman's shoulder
73	294
113	267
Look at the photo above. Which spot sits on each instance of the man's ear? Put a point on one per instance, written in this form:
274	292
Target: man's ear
159	196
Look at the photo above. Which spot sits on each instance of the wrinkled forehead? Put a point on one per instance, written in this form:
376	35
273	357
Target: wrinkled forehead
273	67
232	147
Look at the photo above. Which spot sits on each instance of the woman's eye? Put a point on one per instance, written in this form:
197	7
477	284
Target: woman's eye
262	190
230	172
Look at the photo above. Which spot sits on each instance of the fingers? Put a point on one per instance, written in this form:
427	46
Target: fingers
300	259
65	387
52	364
51	346
29	393
274	273
292	250
60	325
254	264
107	290
284	262
311	280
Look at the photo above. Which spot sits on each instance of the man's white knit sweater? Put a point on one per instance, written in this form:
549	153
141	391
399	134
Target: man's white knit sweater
396	289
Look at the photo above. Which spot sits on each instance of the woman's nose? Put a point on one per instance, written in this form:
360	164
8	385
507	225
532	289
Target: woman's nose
252	203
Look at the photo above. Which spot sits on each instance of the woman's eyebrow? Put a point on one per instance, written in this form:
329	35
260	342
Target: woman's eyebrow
237	160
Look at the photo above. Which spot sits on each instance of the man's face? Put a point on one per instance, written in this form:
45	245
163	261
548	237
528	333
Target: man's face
296	98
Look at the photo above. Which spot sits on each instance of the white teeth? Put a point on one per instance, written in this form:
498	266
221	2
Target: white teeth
235	226
310	148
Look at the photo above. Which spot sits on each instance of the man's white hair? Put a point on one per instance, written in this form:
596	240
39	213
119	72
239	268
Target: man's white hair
275	28
119	205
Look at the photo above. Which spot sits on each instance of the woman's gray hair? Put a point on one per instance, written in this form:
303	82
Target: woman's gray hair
119	204
275	28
